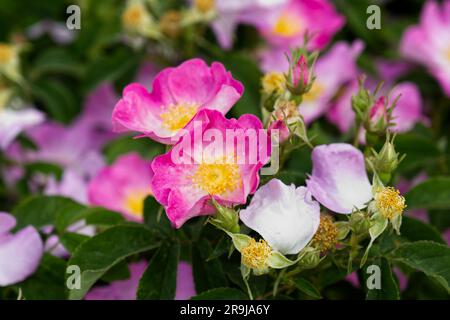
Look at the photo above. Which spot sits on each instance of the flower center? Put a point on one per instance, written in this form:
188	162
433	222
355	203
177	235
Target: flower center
204	5
217	178
389	202
287	25
273	82
255	254
177	116
326	236
314	93
6	53
134	202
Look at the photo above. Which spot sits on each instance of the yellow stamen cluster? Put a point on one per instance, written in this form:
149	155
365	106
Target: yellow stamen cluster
314	93
6	53
389	202
255	254
204	5
287	26
177	116
273	82
326	236
134	16
134	202
217	177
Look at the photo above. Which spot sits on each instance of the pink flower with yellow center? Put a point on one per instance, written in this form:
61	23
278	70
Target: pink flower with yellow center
178	94
220	159
317	18
123	186
428	43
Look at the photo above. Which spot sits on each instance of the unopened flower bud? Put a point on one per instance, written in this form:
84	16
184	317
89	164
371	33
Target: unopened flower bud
362	101
359	222
300	74
386	161
283	130
225	218
170	24
310	258
378	120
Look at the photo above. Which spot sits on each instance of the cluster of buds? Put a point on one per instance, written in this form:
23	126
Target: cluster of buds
373	112
143	18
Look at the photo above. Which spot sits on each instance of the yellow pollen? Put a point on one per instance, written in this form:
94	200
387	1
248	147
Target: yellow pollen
6	53
176	117
133	16
447	54
314	93
217	177
204	5
287	25
255	254
326	236
389	202
273	82
134	202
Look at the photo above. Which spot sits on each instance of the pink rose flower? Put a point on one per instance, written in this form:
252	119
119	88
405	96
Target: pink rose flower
178	94
220	158
428	43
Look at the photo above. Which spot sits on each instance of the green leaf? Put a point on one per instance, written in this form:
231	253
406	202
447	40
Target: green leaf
100	253
126	144
207	274
429	257
48	281
433	193
92	216
389	288
308	288
57	99
247	71
156	219
221	294
416	230
159	281
40	211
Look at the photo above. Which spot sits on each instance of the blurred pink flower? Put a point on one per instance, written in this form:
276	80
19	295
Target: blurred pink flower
231	13
283	130
290	23
123	186
428	43
178	94
184	186
20	253
126	289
